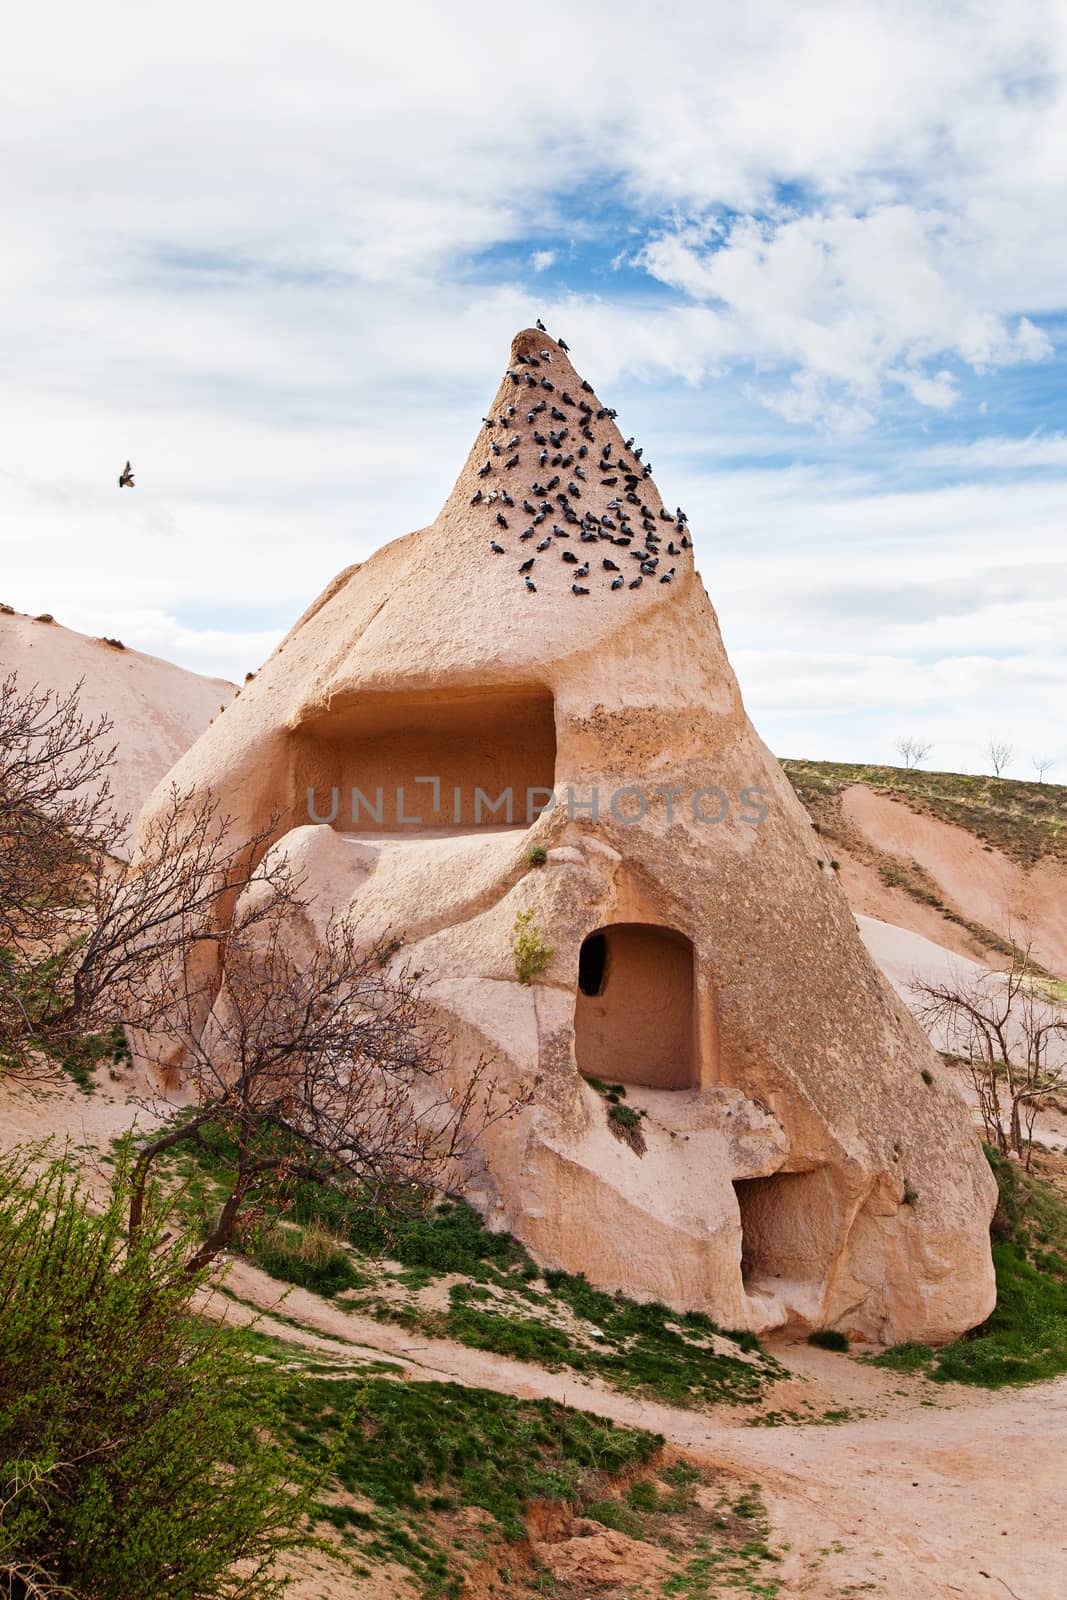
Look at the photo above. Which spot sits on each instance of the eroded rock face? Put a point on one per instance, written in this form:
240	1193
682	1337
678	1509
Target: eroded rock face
797	1168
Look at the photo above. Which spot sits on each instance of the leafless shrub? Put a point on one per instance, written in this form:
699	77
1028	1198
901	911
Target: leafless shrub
912	750
1001	755
308	1060
1013	1040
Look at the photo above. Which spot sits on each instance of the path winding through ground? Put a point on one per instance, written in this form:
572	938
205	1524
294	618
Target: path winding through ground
939	1491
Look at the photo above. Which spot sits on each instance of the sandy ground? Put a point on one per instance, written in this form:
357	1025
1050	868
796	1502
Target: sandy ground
935	1491
157	709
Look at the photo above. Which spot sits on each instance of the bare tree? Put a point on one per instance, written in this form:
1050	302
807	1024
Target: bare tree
321	1064
1013	1039
912	750
85	950
1041	765
56	811
1001	754
317	1066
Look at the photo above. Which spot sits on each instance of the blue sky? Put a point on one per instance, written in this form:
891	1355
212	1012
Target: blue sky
816	256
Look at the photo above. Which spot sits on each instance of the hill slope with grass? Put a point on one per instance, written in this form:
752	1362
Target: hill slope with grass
968	862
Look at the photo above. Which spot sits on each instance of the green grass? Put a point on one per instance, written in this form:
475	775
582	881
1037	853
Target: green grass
86	1055
410	1454
1025	1339
434	1477
829	1339
330	1243
1027	821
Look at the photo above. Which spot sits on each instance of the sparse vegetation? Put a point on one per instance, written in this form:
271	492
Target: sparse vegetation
435	1477
625	1124
506	1304
1025	1338
536	856
828	1339
1027	821
1011	1040
531	951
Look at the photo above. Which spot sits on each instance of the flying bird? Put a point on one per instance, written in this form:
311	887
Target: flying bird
126	477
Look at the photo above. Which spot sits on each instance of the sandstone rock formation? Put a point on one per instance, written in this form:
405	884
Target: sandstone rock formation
805	1160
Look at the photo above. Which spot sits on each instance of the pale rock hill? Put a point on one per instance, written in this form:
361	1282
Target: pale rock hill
157	709
804	1159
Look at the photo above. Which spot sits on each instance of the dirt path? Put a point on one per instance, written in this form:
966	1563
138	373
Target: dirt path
944	1492
924	1493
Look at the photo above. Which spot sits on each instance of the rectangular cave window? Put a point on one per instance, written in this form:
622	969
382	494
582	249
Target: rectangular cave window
427	761
634	1010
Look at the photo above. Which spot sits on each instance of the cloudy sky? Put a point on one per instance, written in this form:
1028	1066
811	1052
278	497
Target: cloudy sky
815	254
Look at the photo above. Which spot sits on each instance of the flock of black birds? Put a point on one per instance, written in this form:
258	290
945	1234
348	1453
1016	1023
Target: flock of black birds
567	445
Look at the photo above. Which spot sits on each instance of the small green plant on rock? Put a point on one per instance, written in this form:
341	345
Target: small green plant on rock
536	856
532	953
625	1124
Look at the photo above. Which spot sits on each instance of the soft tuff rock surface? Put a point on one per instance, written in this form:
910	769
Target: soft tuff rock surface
800	1156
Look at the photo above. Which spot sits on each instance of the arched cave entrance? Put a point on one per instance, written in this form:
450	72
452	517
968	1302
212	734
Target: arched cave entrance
790	1227
634	1020
427	760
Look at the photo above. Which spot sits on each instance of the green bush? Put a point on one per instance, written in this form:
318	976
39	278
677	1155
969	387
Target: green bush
537	855
529	948
828	1339
134	1453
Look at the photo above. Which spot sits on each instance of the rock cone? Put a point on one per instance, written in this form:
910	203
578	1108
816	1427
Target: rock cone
782	1147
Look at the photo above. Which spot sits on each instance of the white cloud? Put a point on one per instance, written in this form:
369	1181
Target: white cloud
541	260
255	251
848	303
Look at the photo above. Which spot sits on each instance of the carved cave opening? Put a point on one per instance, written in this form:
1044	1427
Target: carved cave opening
634	1019
789	1226
425	760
